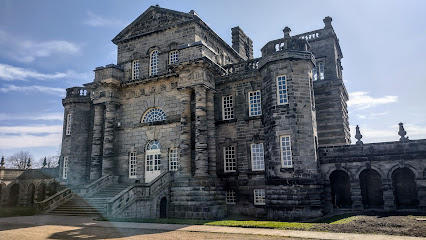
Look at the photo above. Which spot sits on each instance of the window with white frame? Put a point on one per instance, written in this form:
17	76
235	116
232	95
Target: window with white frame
153	156
173	57
65	168
321	70
255	103
173	159
153	115
259	196
153	60
68	127
132	164
285	146
257	157
282	97
135	69
229	159
230	197
227	107
315	73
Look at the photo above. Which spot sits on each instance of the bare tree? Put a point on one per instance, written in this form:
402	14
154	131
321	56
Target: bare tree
19	160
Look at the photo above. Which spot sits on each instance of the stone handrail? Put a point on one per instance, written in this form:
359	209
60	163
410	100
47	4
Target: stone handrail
132	193
55	200
252	64
95	186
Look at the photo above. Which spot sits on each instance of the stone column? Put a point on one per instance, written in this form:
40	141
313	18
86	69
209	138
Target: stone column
96	156
388	198
356	195
185	133
211	133
421	193
108	145
328	205
201	154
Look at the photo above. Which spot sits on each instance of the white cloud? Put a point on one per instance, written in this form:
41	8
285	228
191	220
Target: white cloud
27	51
33	89
30	136
95	20
32	116
11	73
361	100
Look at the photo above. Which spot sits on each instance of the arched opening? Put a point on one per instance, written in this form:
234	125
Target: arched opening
340	189
13	195
41	193
31	193
405	189
53	189
371	189
163	208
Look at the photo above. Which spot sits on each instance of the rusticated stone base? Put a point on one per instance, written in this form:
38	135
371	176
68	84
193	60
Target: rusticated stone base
197	199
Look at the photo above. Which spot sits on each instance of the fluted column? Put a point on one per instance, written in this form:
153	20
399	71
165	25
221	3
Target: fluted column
108	144
185	133
201	154
96	156
211	133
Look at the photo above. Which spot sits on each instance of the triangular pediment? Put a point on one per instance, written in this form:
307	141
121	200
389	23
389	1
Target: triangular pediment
153	19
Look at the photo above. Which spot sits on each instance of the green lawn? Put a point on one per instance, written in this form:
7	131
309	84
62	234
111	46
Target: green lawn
17	211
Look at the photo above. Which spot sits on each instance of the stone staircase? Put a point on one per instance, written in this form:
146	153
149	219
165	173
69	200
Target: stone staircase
94	205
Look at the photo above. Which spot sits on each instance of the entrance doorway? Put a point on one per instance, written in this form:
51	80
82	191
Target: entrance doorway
163	208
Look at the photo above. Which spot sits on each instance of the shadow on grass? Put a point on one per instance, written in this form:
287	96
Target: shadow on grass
17	211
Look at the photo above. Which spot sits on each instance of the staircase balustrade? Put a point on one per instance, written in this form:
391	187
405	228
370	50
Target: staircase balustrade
95	186
54	201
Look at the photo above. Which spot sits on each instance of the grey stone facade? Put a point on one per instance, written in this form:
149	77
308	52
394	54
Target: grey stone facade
306	166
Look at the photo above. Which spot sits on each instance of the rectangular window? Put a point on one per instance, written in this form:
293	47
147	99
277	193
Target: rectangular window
132	164
259	196
173	57
153	162
257	157
321	70
282	90
255	102
65	168
228	107
173	159
314	73
285	144
229	159
230	197
68	127
135	69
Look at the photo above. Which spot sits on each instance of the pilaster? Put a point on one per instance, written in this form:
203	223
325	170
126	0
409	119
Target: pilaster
108	144
185	133
201	154
211	133
96	156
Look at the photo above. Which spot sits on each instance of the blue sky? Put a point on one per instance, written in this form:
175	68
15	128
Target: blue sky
47	46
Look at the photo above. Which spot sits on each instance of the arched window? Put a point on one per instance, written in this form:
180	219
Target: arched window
153	115
153	60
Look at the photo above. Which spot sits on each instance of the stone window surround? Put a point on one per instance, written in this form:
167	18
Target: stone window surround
230	197
135	69
227	107
153	62
282	94
259	196
229	159
173	57
256	95
262	156
173	159
133	159
65	168
153	114
68	124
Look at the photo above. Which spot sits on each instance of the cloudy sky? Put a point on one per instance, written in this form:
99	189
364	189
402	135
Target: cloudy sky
47	46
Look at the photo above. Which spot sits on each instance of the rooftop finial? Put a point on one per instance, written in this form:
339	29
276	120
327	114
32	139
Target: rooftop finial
358	136
327	21
29	163
286	31
2	162
44	162
402	133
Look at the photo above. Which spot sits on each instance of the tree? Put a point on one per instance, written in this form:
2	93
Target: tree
19	160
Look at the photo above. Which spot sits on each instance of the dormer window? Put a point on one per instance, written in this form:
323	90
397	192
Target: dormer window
135	69
153	60
173	57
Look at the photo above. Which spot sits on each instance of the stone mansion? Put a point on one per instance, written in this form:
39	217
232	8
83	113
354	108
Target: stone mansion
186	126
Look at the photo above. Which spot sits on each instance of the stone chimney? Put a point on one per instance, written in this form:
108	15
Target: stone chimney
241	43
327	21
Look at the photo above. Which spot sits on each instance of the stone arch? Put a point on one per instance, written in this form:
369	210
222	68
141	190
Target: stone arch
341	168
371	188
41	191
396	166
404	188
31	193
378	170
340	189
52	188
14	190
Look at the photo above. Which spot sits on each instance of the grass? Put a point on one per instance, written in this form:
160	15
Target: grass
157	220
17	211
262	224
